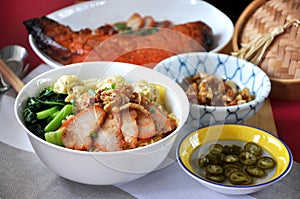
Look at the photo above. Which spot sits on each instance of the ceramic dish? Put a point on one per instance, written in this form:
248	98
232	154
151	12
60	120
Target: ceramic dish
242	73
104	168
196	143
93	14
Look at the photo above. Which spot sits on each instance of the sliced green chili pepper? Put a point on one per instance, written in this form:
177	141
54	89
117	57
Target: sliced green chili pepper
236	149
247	158
255	171
265	162
240	178
214	169
227	149
213	158
229	170
231	158
230	162
253	148
216	149
215	178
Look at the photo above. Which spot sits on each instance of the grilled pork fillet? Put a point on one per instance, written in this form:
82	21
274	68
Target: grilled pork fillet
78	128
163	123
142	46
129	127
109	136
146	126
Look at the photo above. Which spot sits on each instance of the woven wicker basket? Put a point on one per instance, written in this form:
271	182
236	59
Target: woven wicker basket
281	61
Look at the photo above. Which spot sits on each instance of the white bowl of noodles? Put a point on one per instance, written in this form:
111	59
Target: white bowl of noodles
99	167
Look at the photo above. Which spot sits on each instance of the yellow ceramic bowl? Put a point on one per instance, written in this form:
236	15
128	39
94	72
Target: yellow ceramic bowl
197	143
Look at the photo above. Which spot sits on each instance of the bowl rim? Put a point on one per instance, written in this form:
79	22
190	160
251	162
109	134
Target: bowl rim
257	100
219	185
76	65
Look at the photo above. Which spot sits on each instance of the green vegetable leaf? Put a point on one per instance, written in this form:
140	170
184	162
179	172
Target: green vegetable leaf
56	122
55	137
34	116
93	134
152	110
48	96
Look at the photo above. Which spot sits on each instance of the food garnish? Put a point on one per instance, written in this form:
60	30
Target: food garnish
236	164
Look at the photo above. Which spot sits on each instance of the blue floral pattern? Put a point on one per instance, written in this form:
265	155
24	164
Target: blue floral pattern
243	73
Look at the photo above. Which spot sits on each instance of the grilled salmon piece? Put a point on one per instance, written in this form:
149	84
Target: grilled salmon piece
78	128
109	136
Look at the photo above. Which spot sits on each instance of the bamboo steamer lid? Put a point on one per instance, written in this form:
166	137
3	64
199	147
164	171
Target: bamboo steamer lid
281	60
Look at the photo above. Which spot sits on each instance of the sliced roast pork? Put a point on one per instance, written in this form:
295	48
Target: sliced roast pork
109	136
146	126
79	128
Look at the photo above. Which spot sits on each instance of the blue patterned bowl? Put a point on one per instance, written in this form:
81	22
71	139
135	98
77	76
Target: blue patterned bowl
243	73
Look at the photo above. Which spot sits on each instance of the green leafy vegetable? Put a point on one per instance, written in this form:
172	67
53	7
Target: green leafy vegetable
39	110
113	86
48	96
122	27
52	116
47	113
57	120
54	137
93	134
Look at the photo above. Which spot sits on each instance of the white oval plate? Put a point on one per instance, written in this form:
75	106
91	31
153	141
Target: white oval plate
93	14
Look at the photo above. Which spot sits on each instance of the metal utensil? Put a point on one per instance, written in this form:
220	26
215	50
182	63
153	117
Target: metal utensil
14	65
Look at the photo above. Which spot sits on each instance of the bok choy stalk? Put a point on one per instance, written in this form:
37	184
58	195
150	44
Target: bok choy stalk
54	137
42	109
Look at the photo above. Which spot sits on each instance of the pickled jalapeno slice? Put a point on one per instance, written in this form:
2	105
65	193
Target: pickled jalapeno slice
202	162
265	162
255	171
253	148
247	158
215	178
214	169
235	164
229	170
239	178
211	159
238	165
216	149
231	158
236	149
227	149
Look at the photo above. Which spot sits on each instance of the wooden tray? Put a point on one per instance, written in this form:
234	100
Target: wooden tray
282	59
264	119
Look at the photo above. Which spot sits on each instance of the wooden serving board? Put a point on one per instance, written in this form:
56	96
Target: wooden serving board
264	118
